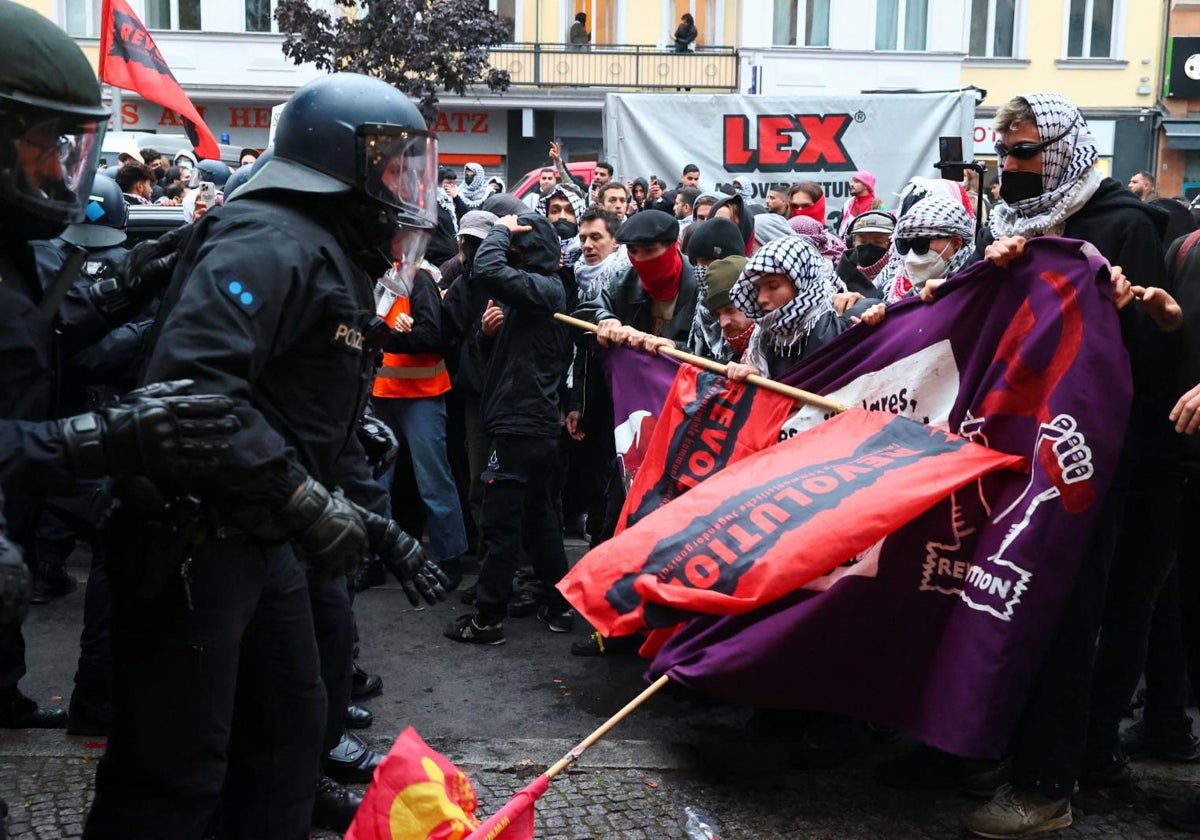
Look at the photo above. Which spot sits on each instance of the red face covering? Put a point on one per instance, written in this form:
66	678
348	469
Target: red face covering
815	210
660	276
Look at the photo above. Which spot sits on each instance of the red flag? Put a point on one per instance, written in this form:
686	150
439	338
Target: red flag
417	794
129	59
773	522
515	820
706	423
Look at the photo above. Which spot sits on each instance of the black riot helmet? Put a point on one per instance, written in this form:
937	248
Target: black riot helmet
210	170
105	217
240	176
351	135
51	126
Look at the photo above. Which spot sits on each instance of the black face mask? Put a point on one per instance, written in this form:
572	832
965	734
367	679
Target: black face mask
1018	186
566	229
865	255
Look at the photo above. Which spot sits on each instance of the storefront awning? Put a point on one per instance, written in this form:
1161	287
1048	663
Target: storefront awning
1182	134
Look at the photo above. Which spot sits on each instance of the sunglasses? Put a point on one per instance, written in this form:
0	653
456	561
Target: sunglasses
1026	151
917	244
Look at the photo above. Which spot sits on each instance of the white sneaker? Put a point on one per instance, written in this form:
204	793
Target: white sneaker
1014	813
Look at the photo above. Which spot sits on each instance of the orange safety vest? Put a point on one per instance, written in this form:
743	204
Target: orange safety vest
409	375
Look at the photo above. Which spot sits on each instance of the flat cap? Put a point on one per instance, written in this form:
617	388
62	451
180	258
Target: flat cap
648	227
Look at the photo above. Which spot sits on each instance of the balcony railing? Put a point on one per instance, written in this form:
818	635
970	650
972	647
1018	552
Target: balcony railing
618	67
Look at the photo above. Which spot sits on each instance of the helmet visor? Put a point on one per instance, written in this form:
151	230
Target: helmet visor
400	170
53	161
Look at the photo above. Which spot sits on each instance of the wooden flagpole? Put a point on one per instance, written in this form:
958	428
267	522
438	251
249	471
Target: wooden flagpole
716	367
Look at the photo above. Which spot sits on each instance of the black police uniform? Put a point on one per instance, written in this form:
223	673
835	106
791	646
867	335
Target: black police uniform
217	691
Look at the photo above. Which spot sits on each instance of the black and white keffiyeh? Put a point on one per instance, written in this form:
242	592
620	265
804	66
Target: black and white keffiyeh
1069	177
592	279
786	327
937	215
447	203
577	203
474	189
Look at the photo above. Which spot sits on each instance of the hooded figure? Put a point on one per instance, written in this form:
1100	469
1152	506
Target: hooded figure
741	216
635	204
789	331
475	186
768	227
827	243
568	231
859	202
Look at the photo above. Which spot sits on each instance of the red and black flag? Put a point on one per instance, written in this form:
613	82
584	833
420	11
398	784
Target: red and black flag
130	60
773	522
706	423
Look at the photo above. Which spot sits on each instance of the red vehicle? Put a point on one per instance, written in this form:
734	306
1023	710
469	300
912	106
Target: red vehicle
583	170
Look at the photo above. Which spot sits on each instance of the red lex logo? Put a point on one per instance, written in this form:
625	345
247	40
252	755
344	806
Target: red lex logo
785	142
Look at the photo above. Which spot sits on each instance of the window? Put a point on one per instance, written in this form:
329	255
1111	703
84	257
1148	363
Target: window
1091	29
173	14
901	24
507	10
993	29
788	16
81	18
258	16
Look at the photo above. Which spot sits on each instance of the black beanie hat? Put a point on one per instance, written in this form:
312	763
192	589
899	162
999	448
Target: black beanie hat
715	239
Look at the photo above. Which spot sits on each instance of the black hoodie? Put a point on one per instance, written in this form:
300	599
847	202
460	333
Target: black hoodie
531	351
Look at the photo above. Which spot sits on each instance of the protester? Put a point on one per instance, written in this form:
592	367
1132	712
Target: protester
1049	186
613	197
777	200
784	289
704	204
827	242
868	252
520	405
808	199
935	240
862	199
734	208
474	188
735	325
768	227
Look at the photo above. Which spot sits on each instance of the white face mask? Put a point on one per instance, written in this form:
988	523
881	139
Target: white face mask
924	267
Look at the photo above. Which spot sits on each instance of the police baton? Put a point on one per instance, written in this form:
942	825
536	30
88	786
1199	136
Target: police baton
76	257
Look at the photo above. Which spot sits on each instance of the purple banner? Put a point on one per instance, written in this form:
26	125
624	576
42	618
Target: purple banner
639	383
938	630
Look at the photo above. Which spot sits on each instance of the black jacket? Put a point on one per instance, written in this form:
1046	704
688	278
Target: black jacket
288	338
467	348
33	461
531	351
628	302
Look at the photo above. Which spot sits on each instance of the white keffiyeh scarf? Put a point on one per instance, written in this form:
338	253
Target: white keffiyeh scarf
1069	177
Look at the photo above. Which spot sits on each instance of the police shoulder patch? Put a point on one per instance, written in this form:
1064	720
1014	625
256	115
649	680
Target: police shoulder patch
246	299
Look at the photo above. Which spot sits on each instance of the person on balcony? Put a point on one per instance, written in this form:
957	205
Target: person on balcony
686	34
579	37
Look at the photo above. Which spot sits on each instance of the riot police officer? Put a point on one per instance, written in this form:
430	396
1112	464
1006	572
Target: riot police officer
218	697
51	125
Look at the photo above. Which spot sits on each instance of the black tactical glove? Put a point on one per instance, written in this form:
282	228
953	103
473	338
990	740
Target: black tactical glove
145	271
379	442
155	431
16	585
327	527
419	577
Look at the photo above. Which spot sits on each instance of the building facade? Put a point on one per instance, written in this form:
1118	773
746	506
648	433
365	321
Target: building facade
1178	170
1105	55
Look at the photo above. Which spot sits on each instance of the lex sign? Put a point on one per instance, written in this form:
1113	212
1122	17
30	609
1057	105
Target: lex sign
760	140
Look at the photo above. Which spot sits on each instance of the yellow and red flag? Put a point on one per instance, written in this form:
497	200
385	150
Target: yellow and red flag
418	794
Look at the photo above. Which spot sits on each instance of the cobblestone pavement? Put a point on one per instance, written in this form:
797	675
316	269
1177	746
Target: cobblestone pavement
503	714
